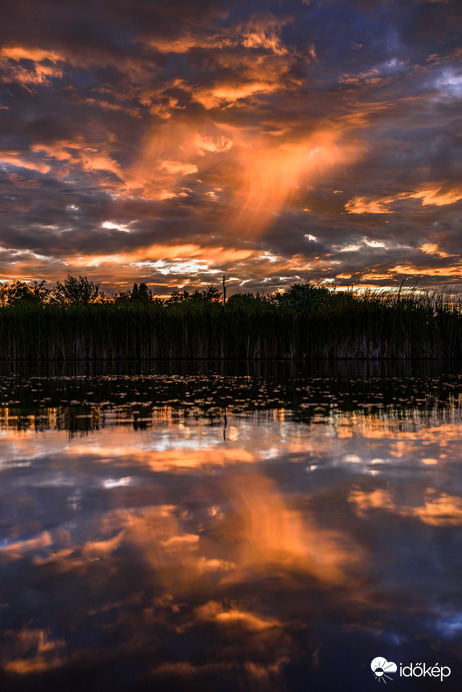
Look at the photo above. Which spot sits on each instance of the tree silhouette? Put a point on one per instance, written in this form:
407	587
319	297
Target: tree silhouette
21	292
76	290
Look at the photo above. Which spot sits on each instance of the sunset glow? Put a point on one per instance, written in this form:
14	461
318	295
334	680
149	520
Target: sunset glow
171	144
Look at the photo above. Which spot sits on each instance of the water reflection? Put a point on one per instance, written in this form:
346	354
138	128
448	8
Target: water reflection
142	548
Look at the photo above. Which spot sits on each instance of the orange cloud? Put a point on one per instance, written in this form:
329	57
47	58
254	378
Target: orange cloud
257	175
182	44
156	252
363	205
429	196
433	249
438	197
262	176
454	271
230	93
369	77
271	173
168	153
260	32
175	167
89	157
263	32
25	53
39	72
15	158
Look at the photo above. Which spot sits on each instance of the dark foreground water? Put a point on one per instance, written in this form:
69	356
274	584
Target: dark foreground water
213	528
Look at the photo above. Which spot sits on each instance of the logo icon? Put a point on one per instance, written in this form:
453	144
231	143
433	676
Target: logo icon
381	669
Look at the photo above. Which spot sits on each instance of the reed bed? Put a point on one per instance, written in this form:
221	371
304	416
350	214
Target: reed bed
305	322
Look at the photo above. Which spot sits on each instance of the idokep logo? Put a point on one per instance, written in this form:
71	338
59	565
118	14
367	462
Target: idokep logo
381	669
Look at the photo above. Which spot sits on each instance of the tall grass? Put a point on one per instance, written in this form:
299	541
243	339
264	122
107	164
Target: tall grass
311	324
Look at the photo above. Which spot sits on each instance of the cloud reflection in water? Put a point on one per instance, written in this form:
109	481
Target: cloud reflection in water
170	556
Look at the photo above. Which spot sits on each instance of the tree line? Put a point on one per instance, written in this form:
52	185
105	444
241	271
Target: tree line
76	321
83	291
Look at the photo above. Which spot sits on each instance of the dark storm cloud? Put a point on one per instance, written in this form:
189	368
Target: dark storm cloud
274	141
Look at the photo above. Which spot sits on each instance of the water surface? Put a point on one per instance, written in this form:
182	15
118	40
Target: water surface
211	527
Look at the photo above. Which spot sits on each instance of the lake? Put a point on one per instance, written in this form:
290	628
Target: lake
211	526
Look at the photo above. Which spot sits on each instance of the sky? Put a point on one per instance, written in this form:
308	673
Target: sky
271	141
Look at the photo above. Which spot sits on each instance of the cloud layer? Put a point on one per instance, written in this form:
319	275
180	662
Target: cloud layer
274	142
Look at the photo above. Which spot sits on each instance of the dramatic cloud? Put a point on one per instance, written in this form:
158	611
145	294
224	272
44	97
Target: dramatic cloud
273	142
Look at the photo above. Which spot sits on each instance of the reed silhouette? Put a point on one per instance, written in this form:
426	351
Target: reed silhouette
75	321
